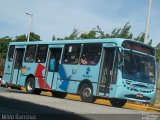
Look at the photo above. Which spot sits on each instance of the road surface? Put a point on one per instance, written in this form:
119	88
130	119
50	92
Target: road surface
17	104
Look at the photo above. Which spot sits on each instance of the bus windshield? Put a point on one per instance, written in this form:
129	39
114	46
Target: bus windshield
138	67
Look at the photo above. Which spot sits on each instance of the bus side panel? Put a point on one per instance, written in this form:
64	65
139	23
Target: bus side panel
113	87
49	81
7	71
73	85
36	83
63	77
94	89
78	73
32	69
21	80
54	84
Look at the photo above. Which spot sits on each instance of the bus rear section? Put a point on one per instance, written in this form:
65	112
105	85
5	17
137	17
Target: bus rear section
13	65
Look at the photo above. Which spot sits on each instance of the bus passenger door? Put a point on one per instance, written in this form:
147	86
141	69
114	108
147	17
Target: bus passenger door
17	64
51	74
107	71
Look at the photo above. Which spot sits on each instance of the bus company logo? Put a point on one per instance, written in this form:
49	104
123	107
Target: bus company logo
87	72
74	70
149	117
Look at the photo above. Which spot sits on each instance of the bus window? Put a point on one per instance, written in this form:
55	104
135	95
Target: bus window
10	53
91	54
138	67
71	54
30	53
41	53
115	69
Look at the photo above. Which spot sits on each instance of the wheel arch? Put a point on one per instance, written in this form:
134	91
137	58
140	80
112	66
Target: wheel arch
30	75
85	81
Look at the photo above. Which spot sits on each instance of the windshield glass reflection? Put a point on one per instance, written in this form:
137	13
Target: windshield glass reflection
138	67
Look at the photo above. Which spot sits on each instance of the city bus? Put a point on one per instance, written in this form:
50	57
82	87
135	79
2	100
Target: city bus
115	69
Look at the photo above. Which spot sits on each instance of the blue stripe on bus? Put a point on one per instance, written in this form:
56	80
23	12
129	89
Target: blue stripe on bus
63	76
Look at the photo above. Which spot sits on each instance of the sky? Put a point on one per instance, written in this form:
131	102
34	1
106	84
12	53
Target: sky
60	17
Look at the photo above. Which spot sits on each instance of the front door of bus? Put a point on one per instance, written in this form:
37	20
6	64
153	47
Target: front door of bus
107	75
18	59
52	68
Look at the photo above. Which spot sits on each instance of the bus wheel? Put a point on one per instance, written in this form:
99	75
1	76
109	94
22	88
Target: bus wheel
59	94
30	86
86	93
117	102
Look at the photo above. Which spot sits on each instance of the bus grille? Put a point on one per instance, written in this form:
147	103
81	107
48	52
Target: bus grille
138	98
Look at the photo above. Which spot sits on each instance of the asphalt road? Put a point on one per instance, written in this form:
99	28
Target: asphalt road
19	105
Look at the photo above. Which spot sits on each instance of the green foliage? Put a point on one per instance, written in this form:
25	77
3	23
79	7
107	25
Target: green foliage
122	32
20	38
73	35
158	51
90	35
95	33
4	41
34	37
23	38
140	37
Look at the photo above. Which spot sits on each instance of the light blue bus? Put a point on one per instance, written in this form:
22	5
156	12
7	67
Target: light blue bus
115	69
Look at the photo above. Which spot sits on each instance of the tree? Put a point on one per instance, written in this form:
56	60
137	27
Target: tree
122	32
4	42
158	51
90	35
73	35
21	38
140	37
34	37
100	33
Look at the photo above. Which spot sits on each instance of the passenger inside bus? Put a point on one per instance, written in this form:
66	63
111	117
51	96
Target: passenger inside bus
129	65
84	60
52	63
93	60
75	61
29	58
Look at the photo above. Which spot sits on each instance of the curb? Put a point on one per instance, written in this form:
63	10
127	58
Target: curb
106	102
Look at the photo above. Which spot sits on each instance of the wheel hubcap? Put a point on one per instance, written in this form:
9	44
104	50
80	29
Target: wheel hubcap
30	86
87	92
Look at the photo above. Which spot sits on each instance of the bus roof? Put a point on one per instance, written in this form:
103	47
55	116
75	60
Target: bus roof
115	40
118	41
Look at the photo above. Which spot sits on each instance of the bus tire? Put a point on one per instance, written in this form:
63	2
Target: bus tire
86	93
59	94
30	86
117	102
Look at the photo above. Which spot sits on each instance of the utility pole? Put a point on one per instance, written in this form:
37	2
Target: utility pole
31	16
148	22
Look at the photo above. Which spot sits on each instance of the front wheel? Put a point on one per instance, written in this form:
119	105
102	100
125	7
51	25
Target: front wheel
86	93
117	102
30	86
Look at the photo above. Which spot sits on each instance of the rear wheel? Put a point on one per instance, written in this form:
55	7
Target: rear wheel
30	86
59	94
86	93
118	102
